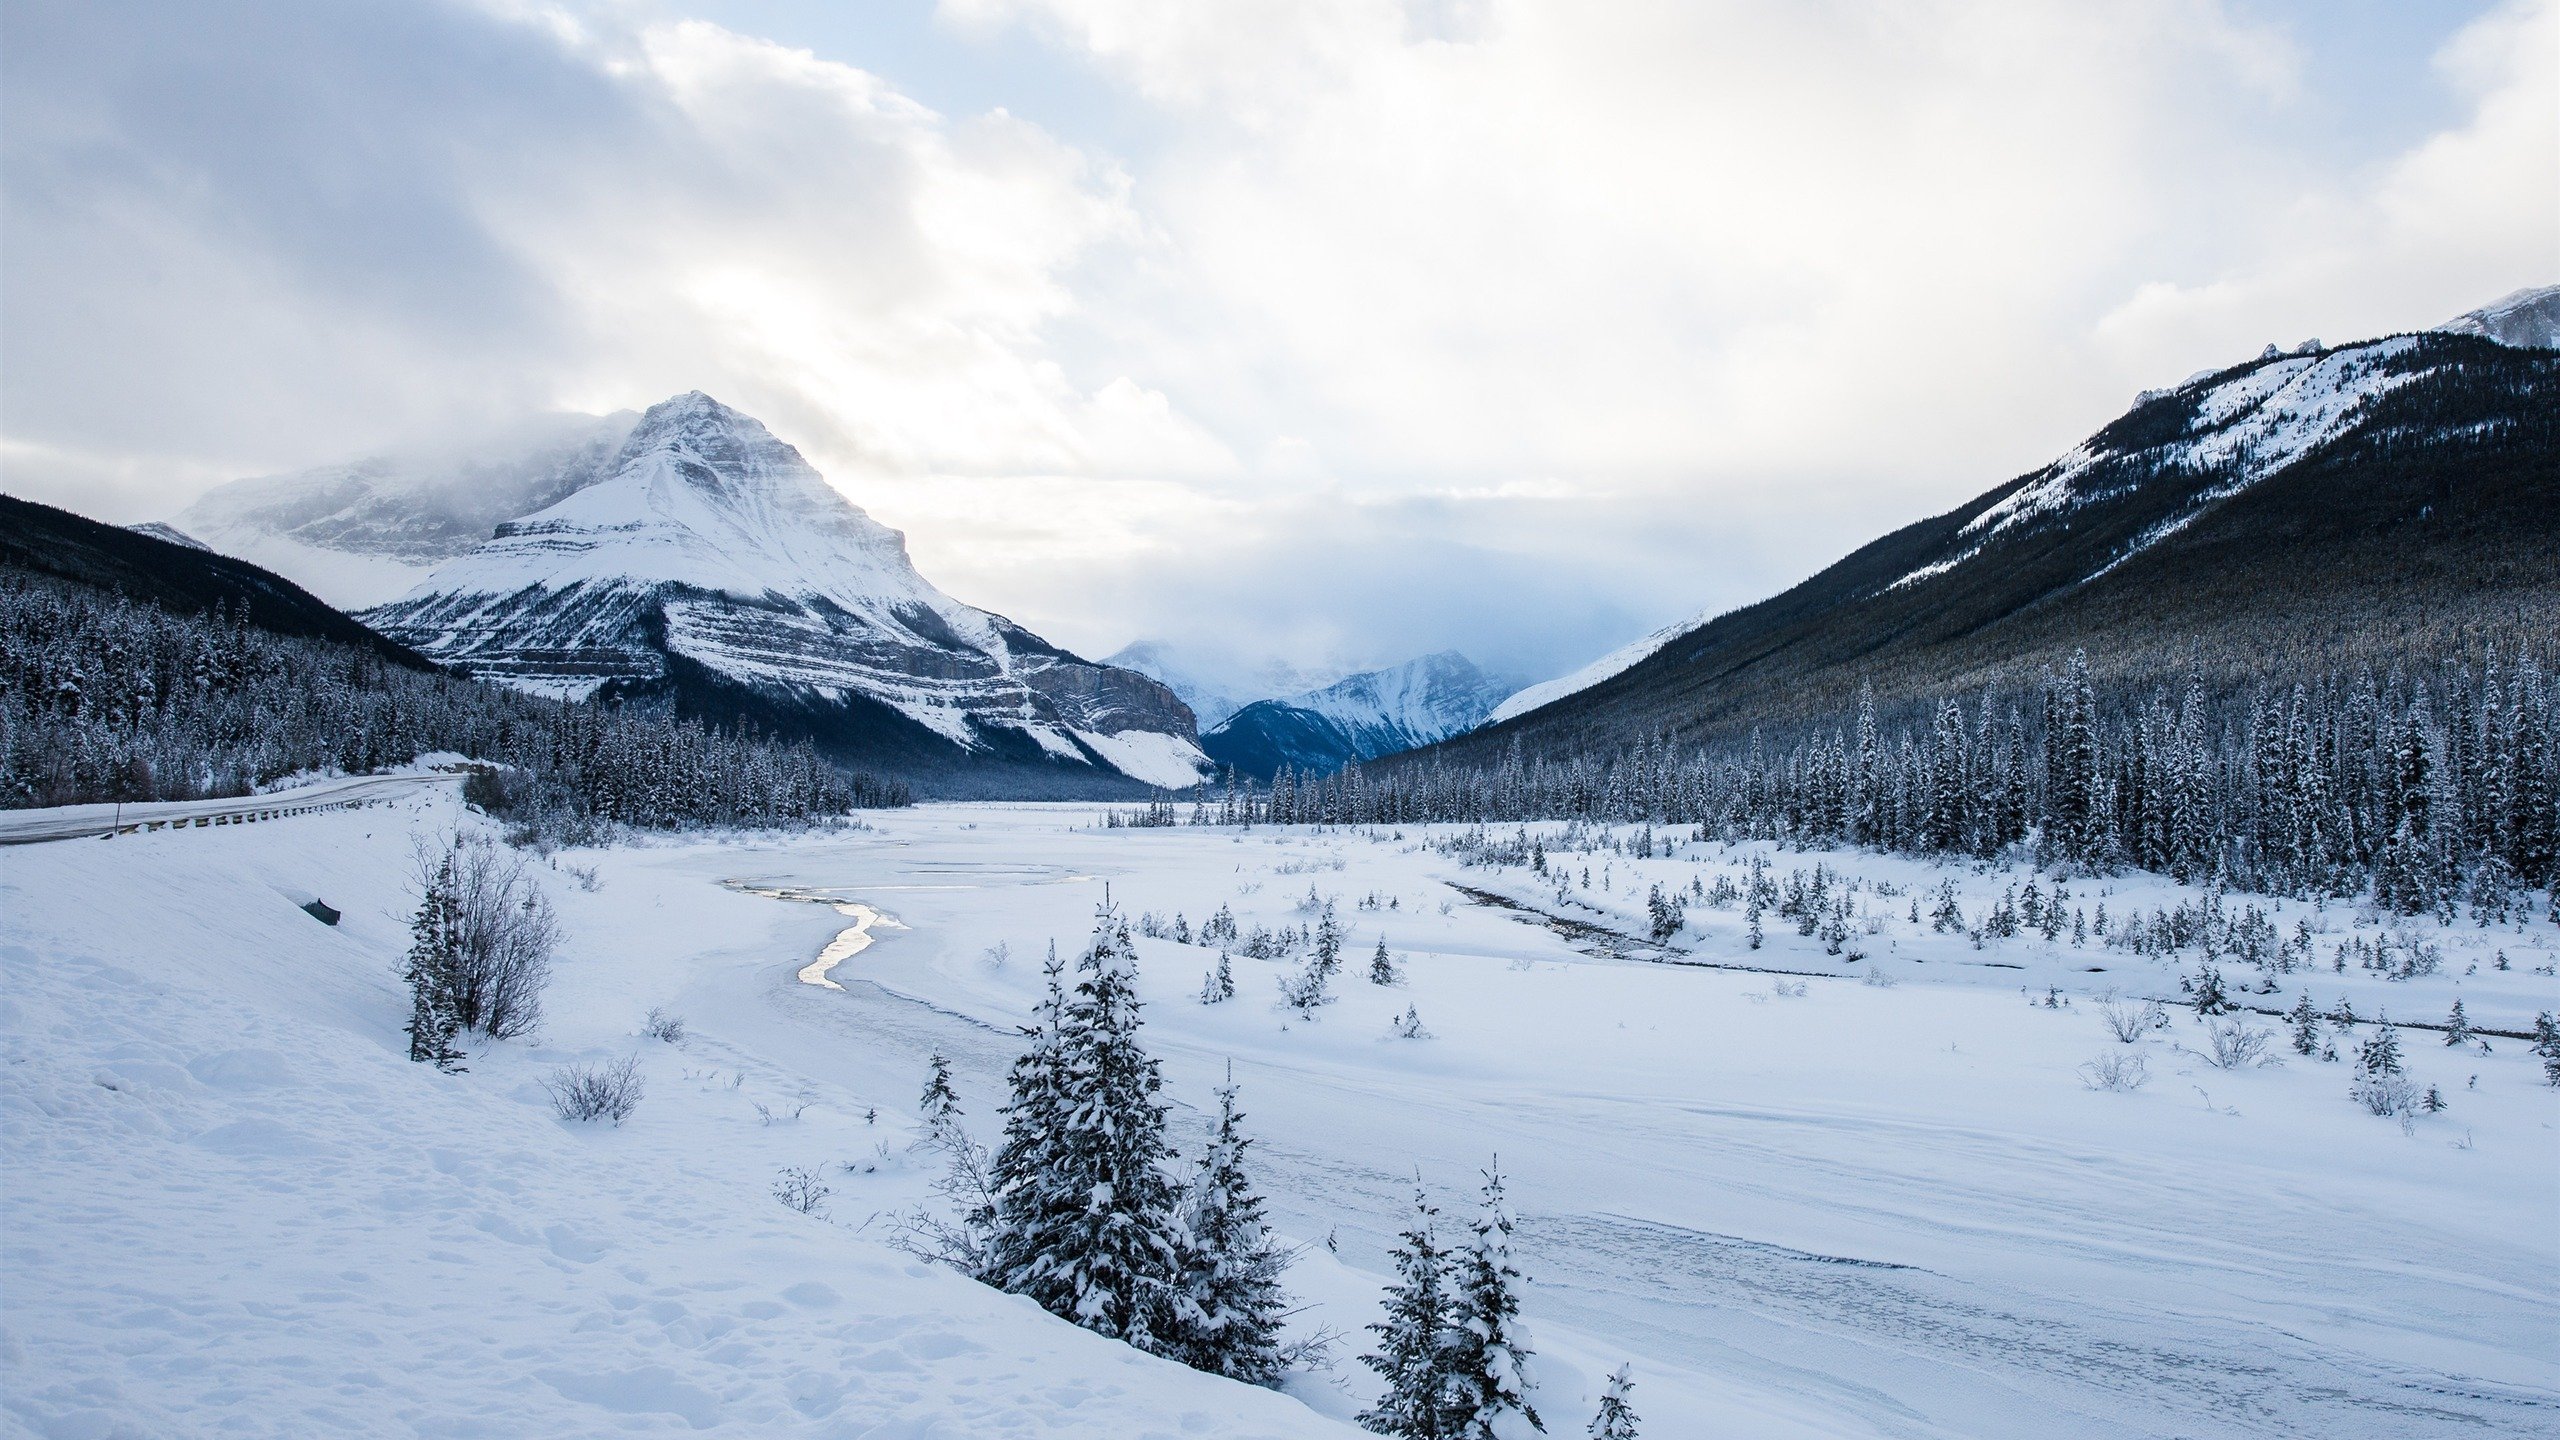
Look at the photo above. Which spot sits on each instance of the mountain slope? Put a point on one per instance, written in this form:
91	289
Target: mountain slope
1216	686
175	576
2332	506
1363	717
714	570
365	532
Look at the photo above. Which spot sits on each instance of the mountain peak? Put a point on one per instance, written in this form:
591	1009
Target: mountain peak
2529	319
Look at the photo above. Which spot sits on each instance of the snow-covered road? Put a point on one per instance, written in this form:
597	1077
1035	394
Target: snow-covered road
81	822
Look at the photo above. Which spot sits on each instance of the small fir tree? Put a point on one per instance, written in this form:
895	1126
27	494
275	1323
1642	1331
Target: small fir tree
434	950
2306	1026
1488	1363
2457	1027
939	1106
1219	985
1617	1418
1382	966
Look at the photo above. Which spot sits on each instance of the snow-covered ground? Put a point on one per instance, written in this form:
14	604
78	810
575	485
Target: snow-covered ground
1861	1209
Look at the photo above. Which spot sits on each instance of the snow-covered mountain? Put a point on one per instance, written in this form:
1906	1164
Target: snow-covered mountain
713	567
2305	502
1378	712
2528	319
367	531
1218	685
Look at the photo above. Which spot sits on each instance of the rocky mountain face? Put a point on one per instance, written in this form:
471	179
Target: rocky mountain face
712	569
2304	509
1378	712
367	531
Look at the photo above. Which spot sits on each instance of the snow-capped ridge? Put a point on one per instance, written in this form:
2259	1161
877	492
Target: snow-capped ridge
713	542
2528	319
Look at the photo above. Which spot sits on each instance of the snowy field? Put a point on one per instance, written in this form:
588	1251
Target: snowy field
1799	1202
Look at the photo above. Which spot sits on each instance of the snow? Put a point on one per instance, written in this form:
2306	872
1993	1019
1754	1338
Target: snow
1625	657
235	1206
763	573
1859	1210
1171	761
2247	428
1403	706
2528	319
1217	685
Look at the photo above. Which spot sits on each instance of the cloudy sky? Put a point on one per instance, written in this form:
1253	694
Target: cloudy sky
1329	329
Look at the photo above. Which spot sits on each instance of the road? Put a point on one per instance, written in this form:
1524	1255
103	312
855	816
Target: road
81	822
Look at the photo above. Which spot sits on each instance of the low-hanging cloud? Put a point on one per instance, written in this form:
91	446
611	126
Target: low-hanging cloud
1521	326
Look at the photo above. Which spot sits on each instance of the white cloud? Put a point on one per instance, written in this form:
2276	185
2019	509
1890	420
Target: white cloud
1519	325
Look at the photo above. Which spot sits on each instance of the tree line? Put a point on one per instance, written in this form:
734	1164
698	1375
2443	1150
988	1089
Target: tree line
103	697
2425	786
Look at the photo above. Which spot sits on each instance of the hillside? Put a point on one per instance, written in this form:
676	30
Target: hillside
2323	509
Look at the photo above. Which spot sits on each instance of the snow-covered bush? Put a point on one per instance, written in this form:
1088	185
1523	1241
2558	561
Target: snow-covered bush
1408	1026
495	935
596	1092
2119	1070
663	1026
2384	1094
2237	1045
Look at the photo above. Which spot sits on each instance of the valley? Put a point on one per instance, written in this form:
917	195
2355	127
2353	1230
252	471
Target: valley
1867	1196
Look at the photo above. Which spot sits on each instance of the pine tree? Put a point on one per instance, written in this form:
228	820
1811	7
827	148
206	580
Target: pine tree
2380	1054
1232	1304
1382	966
2457	1028
1220	985
434	1022
2546	1043
2306	1026
939	1106
1413	1340
1030	1204
1089	1232
1617	1418
1488	1353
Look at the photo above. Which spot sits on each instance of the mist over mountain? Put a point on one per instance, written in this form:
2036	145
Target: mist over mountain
709	568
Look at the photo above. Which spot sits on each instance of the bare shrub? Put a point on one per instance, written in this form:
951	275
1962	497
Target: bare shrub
662	1026
501	934
2234	1045
2129	1022
595	1092
2385	1094
781	1114
2116	1070
800	1189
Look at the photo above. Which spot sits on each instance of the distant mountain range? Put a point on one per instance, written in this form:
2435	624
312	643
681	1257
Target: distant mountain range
1362	717
2323	506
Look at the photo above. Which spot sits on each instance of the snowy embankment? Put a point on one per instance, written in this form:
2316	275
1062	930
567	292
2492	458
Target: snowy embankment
234	1206
1799	1204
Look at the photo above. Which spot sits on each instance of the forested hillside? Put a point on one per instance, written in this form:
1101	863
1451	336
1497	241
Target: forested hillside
2292	518
184	690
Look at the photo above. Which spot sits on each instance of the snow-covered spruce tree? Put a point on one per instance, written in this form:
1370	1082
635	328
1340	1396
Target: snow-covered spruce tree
1382	966
1219	985
2306	1026
1231	1303
939	1106
1084	1220
1617	1418
2457	1026
1488	1352
433	1022
2546	1043
1328	954
1420	1400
